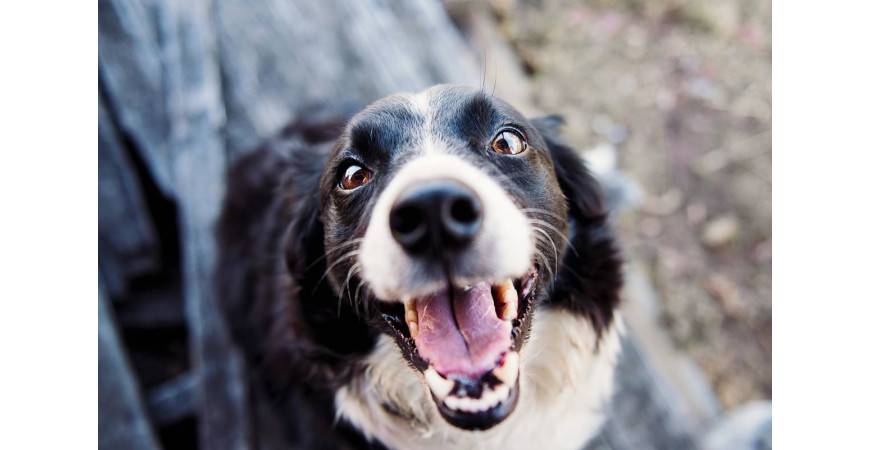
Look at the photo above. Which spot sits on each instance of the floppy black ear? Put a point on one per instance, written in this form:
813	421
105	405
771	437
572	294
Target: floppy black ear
251	182
270	264
269	221
589	278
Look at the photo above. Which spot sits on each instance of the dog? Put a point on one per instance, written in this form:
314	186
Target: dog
435	271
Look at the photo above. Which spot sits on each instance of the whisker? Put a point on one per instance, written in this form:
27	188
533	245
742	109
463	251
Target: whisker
332	266
334	250
346	285
540	211
572	271
364	302
546	264
555	230
356	293
542	241
555	252
369	296
494	81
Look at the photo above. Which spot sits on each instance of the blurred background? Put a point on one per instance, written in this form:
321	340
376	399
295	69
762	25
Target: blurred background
668	100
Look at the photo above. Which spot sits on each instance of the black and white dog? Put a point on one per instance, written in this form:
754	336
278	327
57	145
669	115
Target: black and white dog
436	272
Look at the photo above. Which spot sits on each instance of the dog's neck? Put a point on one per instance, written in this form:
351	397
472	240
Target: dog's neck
566	380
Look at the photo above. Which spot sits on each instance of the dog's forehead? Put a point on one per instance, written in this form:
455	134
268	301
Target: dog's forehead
444	102
441	109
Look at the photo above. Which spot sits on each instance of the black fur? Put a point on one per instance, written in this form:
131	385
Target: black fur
590	276
303	340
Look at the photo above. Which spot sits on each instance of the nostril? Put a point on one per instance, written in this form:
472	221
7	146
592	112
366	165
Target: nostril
461	218
464	210
409	227
406	219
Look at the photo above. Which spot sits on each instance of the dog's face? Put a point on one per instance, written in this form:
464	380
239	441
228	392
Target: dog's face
443	222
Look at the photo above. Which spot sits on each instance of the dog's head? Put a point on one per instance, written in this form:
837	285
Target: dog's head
444	224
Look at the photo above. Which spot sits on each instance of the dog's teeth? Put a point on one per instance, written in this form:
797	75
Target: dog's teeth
509	370
411	317
466	404
501	393
507	311
451	402
506	299
490	397
438	384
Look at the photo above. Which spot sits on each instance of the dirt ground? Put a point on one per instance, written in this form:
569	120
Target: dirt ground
681	90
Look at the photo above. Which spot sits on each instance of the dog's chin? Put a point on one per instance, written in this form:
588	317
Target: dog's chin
465	341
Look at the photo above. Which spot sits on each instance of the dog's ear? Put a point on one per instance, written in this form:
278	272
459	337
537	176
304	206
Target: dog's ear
270	267
251	181
313	338
590	275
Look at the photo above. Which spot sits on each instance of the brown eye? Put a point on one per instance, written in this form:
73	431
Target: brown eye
508	143
354	177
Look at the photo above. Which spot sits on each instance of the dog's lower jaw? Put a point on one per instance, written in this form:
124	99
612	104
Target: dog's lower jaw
566	381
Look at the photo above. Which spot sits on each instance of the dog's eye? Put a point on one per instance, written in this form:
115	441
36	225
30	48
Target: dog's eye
508	142
354	177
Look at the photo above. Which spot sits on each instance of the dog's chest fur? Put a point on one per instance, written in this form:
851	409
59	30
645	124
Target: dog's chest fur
565	383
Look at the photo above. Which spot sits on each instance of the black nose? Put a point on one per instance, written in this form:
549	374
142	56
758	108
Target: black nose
436	214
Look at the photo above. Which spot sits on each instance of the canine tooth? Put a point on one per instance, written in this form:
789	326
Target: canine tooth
411	316
438	384
507	311
506	299
410	305
509	370
500	394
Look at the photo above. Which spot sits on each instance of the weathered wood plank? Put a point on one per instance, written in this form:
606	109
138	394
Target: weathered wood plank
158	66
278	56
127	237
173	400
158	307
131	73
195	110
123	423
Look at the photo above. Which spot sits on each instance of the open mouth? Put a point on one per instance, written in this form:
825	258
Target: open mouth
466	342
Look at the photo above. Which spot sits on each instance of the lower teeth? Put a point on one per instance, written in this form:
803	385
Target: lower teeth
506	371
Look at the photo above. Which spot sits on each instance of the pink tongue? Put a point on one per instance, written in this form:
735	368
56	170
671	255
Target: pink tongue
468	345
